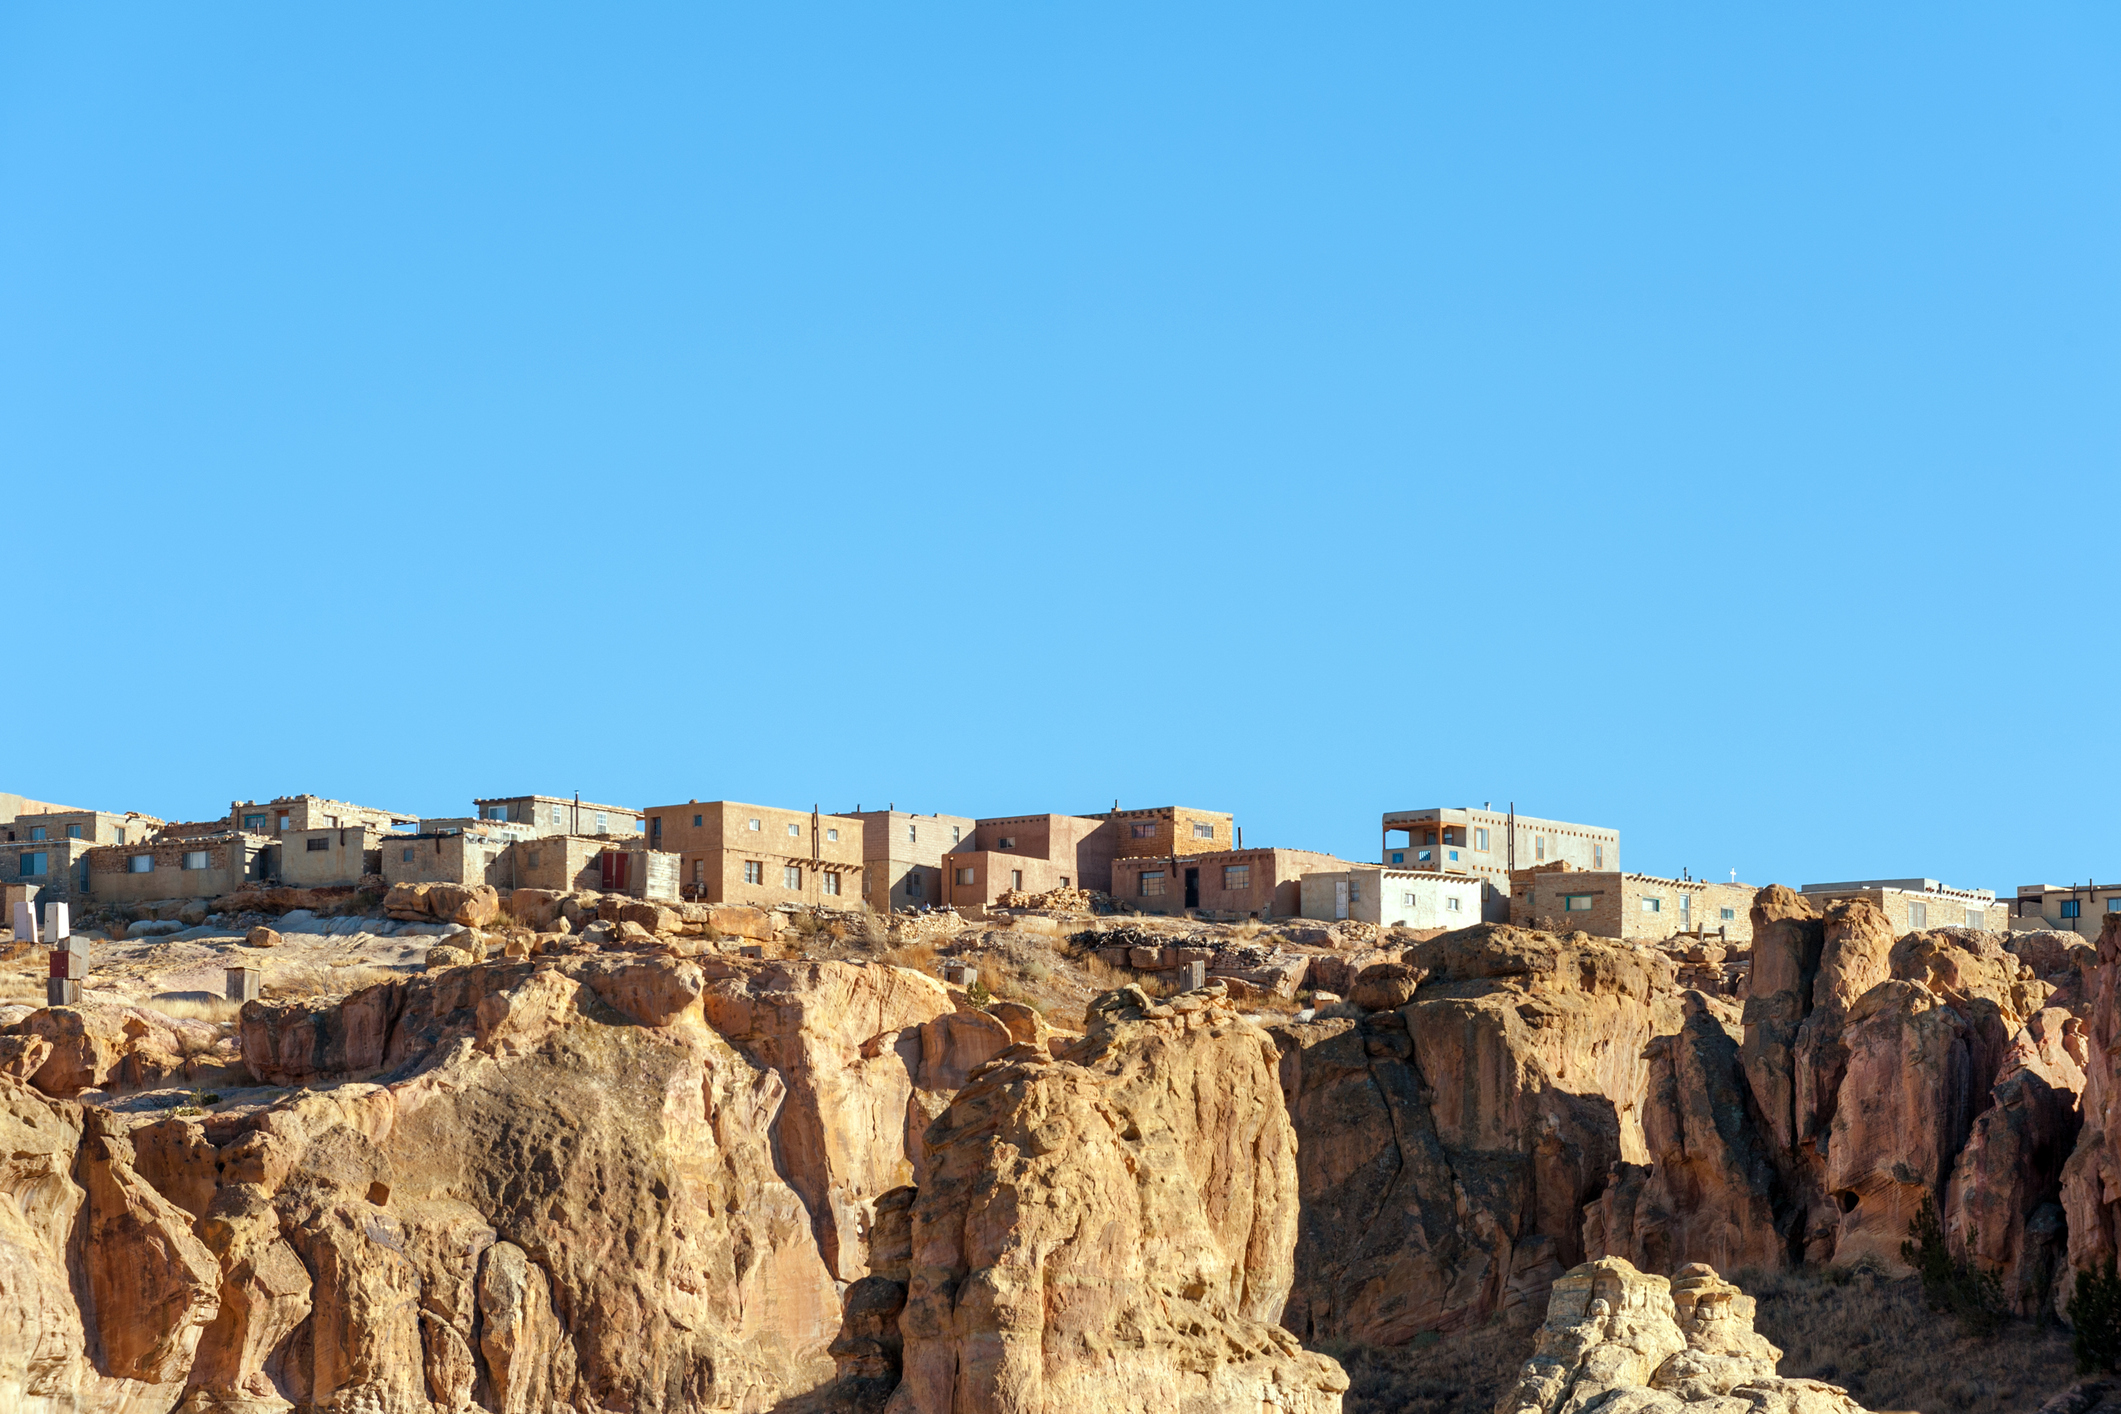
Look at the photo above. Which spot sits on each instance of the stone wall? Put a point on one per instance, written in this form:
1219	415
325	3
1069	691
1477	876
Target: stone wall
184	866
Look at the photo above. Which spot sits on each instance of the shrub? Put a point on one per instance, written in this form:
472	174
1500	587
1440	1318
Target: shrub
1951	1283
2095	1319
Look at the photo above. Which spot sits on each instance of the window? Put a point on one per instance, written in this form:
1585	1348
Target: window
913	833
1576	903
1354	890
281	823
831	884
1428	837
603	823
1480	840
73	832
1454	856
1918	915
1064	881
698	820
1407	899
1016	879
1450	904
1653	905
493	812
1729	914
1539	846
754	872
953	834
317	845
1399	856
751	825
530	858
2113	905
794	830
1598	856
1008	842
408	854
832	834
964	876
913	884
121	834
556	817
1152	883
140	864
1424	856
1975	918
195	859
1686	906
2071	908
792	876
253	822
32	865
1204	832
699	869
1237	876
36	832
1144	831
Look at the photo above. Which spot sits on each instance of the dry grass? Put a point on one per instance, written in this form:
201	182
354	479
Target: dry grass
309	979
217	1010
1872	1335
921	957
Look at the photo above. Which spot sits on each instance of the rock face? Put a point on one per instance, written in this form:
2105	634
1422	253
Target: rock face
663	1185
1873	1074
1112	1230
2091	1178
1621	1340
1449	1146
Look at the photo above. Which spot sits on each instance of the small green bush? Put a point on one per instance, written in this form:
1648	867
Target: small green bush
1950	1283
2095	1319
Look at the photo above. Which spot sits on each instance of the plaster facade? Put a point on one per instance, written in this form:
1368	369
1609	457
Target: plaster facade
1392	898
1240	883
1608	903
902	856
560	815
1913	905
1491	843
761	855
184	866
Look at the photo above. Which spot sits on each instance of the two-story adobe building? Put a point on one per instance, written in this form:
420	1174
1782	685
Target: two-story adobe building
762	855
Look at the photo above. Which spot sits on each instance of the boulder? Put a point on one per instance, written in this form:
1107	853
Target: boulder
1385	986
261	937
1623	1340
652	918
443	955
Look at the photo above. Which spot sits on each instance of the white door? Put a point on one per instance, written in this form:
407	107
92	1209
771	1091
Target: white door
1340	899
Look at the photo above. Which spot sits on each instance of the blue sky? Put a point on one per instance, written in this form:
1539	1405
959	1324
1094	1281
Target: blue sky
1695	420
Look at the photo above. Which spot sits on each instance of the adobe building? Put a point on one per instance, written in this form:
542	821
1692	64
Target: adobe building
45	871
448	855
1392	898
1490	844
1608	903
329	858
560	815
177	867
1912	905
94	826
902	856
305	812
12	805
2063	908
760	855
1237	883
1038	853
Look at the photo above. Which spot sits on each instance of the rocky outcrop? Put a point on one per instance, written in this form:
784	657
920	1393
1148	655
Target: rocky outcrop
1620	1340
1449	1146
1112	1230
2091	1177
473	905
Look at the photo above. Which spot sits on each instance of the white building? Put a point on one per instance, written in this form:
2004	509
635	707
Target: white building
1393	898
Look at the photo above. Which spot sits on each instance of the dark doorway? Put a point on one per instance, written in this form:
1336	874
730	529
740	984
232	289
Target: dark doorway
1193	888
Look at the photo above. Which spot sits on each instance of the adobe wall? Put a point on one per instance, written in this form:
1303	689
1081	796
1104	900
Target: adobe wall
227	867
318	859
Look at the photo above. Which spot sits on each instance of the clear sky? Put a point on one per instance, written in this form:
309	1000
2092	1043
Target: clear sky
1697	420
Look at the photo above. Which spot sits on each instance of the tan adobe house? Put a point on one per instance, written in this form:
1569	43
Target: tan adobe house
761	855
1237	883
44	851
902	855
1036	853
1392	898
507	860
1608	903
177	866
94	826
560	815
2063	908
1911	905
328	858
305	812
